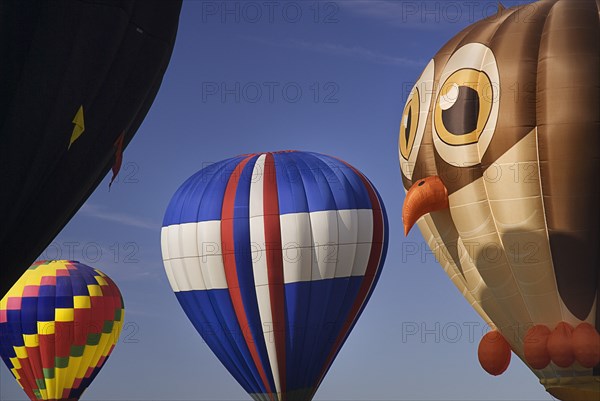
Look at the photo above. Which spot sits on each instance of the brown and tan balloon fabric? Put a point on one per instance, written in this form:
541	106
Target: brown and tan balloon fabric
499	149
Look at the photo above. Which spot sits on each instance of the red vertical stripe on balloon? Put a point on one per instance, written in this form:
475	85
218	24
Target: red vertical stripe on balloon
66	393
26	387
97	317
82	321
47	342
64	339
36	362
26	373
275	263
370	274
115	293
27	380
228	246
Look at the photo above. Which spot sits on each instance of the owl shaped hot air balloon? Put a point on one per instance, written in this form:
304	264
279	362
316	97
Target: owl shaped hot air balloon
273	257
58	325
499	149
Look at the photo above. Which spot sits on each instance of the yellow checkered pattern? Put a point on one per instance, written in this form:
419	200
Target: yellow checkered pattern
37	368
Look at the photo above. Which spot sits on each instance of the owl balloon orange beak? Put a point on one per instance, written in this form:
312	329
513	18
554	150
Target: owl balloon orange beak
425	196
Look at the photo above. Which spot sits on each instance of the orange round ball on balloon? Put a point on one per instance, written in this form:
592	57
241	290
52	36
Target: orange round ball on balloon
494	353
535	347
560	345
586	345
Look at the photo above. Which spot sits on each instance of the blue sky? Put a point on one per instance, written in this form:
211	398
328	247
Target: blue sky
333	80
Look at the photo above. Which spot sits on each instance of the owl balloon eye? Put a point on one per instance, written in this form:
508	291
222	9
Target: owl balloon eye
466	105
410	121
414	119
463	107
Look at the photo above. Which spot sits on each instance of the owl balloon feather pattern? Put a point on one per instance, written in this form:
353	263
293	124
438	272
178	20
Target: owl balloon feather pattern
499	149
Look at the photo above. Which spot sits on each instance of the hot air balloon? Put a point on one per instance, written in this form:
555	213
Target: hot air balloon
273	257
76	81
58	325
499	149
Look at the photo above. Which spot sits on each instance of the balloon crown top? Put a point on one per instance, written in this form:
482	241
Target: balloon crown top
266	153
48	261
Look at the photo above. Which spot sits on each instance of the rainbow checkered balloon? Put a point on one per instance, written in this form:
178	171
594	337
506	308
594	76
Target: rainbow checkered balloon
58	325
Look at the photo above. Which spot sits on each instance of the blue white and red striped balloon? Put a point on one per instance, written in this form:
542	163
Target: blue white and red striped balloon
273	257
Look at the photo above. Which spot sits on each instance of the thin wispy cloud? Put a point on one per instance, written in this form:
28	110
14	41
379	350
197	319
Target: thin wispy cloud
392	12
333	49
358	52
102	213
